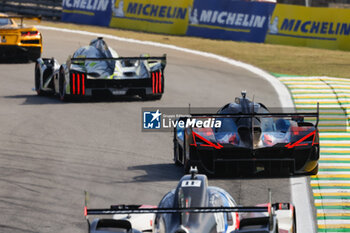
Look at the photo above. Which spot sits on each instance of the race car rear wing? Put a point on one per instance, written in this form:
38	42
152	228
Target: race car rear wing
163	58
38	19
139	209
160	59
296	116
135	209
267	221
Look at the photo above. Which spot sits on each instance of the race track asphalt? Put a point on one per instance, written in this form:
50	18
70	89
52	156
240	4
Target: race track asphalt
50	152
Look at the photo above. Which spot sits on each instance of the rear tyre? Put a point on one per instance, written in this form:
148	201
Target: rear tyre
294	222
37	80
187	162
187	165
176	153
277	229
314	171
62	86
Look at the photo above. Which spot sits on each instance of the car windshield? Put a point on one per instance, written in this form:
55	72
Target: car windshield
266	123
227	125
4	22
232	124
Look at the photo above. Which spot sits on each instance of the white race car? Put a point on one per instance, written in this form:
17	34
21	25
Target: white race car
195	207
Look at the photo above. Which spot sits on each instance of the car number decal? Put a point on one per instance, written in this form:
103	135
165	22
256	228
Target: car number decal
191	183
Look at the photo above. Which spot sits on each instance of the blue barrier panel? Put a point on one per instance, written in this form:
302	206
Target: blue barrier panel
93	12
230	20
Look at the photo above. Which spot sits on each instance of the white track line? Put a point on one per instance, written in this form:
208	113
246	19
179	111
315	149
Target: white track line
299	186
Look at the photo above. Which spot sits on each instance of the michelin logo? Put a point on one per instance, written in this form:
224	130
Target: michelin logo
310	27
226	18
151	120
152	10
273	27
95	5
118	11
193	17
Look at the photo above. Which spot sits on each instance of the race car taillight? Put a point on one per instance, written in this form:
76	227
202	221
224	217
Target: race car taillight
29	33
237	221
204	141
157	82
283	206
296	130
78	83
304	141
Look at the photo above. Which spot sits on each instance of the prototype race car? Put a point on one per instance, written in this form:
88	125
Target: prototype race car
97	69
195	207
18	41
246	138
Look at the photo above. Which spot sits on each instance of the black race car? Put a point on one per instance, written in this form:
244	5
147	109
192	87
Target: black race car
244	138
97	69
195	207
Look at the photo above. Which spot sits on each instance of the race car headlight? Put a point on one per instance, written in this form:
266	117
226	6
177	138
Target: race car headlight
29	33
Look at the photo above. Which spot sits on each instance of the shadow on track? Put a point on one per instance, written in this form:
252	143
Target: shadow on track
34	99
11	229
257	176
7	61
158	172
170	172
50	99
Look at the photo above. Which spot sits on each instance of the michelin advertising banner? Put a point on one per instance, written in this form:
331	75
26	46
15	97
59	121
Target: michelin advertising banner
310	26
224	19
170	17
92	12
230	20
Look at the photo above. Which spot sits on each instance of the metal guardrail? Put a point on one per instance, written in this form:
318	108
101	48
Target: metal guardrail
45	8
318	3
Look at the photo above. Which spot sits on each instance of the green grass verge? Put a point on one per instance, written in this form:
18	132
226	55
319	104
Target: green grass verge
273	58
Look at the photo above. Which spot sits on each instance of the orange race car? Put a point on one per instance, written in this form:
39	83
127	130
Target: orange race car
18	41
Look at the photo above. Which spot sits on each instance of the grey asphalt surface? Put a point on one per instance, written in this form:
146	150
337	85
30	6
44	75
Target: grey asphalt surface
50	152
